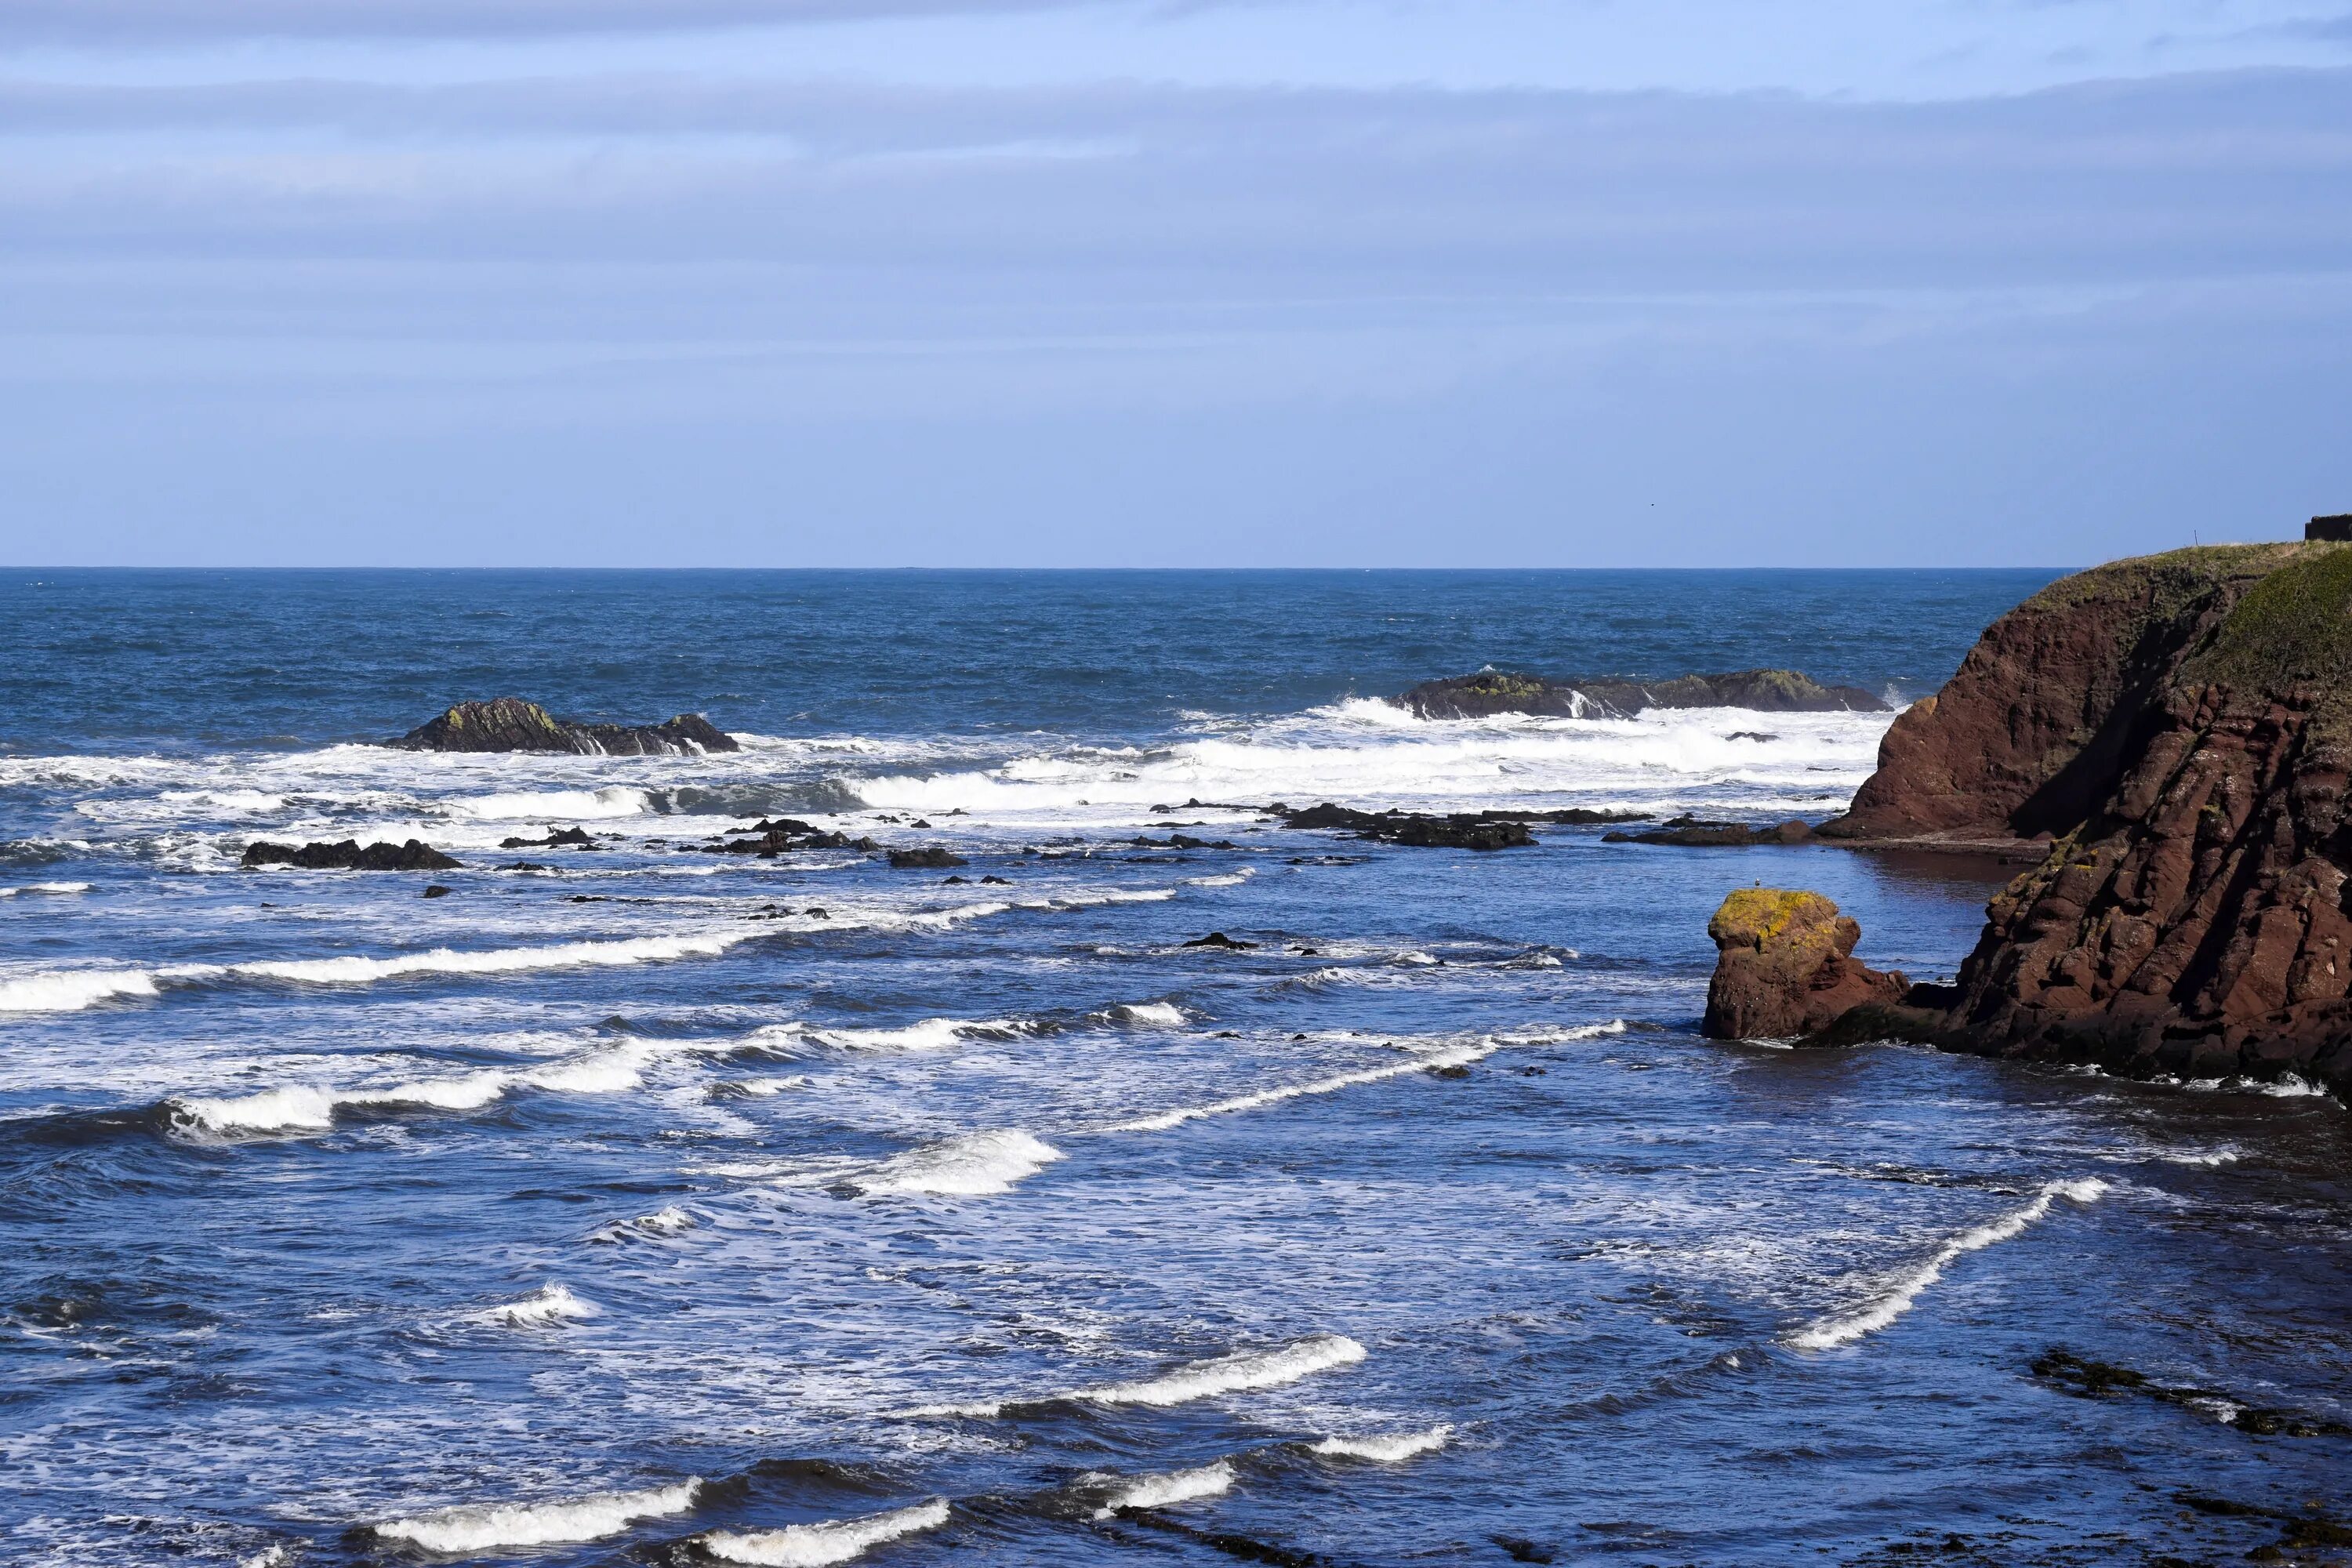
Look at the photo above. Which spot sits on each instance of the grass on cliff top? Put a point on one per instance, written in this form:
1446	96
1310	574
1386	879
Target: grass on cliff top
2176	579
2293	627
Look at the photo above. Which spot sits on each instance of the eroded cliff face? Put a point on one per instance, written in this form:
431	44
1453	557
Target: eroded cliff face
2190	917
2043	716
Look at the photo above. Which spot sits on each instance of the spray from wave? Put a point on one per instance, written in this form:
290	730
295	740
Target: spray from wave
1160	1490
977	1165
1897	1297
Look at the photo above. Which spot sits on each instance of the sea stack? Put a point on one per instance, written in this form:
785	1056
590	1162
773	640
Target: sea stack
511	724
1785	967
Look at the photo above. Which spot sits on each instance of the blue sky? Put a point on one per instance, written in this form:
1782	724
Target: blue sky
1333	283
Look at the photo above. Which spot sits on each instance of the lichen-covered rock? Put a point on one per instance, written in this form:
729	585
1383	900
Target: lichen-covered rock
1785	967
1764	690
511	724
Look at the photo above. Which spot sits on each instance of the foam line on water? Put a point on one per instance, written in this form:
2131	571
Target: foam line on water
496	1526
1905	1288
819	1545
1160	1490
1456	1056
306	1108
1391	1448
1241	1372
53	887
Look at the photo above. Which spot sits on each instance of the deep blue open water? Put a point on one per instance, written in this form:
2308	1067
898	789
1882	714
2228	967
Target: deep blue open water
633	1211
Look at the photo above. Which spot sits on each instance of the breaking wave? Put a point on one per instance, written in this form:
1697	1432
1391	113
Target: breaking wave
551	1303
977	1165
1394	1449
1899	1295
816	1545
305	1108
1159	1491
1241	1372
44	888
489	1527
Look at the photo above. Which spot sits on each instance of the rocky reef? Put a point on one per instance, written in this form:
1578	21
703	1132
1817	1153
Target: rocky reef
349	856
2179	729
1422	830
1764	690
1785	967
511	724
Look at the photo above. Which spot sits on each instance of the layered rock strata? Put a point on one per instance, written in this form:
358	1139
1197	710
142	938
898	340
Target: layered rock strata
511	724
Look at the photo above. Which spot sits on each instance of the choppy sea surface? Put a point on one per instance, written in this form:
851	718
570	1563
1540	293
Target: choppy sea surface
670	1207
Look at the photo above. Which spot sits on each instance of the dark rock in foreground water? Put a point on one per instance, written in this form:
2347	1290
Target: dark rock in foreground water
1219	939
348	856
1785	967
561	838
1763	691
1690	833
511	724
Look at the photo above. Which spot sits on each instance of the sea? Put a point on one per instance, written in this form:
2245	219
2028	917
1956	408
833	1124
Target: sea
639	1204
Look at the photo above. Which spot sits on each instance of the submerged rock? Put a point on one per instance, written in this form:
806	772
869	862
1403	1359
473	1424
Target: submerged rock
1785	967
1763	691
1219	939
511	724
348	856
561	838
1690	833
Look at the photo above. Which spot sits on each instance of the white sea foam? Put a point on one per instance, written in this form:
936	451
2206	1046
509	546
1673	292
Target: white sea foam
2287	1086
551	1303
1147	1014
973	1166
1904	1289
71	990
816	1545
492	1526
1449	1056
1159	1491
1241	1372
1390	1450
44	888
556	806
1230	880
496	961
931	1035
296	1108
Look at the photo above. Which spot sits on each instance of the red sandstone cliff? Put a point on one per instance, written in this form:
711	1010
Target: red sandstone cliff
2183	726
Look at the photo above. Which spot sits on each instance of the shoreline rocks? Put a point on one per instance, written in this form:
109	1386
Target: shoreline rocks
1762	691
1785	967
349	856
1481	830
512	724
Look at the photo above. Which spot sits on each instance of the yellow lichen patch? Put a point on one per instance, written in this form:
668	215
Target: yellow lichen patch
1750	917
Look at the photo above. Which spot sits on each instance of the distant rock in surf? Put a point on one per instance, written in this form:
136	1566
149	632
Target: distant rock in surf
931	859
511	724
1762	691
1219	939
1785	967
349	856
769	839
1690	833
561	838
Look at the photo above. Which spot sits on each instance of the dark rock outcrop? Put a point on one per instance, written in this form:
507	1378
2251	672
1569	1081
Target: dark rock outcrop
1690	833
511	724
772	839
929	858
349	856
1219	939
1764	690
2182	727
1785	967
561	838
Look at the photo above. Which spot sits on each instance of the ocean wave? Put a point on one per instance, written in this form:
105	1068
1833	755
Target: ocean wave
1241	1372
1160	1490
71	990
1904	1289
977	1165
931	1035
490	1527
551	1303
58	888
1143	1014
1390	1450
817	1545
303	1107
1456	1056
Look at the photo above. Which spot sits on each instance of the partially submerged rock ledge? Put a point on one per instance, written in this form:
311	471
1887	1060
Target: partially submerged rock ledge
1490	692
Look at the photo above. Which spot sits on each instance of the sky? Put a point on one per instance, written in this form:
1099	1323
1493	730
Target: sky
1187	282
